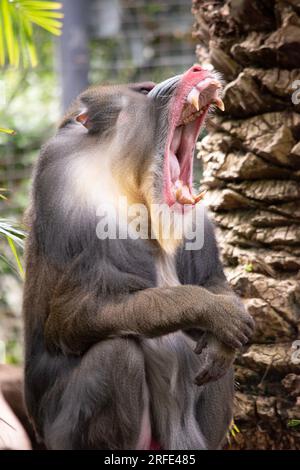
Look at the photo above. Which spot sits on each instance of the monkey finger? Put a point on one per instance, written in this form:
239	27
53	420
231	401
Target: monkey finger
246	331
247	324
201	344
243	338
250	326
232	341
240	334
250	321
203	378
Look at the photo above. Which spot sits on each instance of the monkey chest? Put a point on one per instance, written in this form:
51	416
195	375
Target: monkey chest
166	274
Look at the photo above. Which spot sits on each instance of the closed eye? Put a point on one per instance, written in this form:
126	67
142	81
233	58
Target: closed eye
144	87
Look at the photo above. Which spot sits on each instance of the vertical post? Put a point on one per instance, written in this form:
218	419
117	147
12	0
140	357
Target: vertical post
73	50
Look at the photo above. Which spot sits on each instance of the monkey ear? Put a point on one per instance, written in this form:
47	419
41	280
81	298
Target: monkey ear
84	119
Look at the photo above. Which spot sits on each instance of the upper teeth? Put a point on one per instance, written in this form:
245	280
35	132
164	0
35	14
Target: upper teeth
219	103
194	95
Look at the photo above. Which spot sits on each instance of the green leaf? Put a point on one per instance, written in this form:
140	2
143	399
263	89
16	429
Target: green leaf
8	229
7	131
16	34
26	37
14	237
8	31
53	26
14	22
40	5
249	268
23	40
293	423
47	14
15	253
2	45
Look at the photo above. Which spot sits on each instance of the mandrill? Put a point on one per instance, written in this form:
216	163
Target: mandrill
129	339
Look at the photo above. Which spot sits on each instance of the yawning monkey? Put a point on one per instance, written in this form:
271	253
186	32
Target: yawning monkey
128	340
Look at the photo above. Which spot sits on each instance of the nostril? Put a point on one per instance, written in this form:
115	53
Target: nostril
196	68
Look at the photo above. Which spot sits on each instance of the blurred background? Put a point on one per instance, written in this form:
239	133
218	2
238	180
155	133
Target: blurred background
115	41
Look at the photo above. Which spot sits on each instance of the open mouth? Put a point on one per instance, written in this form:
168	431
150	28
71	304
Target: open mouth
196	92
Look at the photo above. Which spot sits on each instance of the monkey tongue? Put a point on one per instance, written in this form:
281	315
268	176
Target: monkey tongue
181	189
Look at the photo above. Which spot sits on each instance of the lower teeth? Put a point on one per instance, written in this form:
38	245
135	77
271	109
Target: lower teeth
183	194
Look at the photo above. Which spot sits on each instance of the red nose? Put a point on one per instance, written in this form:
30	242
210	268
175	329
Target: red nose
194	75
196	68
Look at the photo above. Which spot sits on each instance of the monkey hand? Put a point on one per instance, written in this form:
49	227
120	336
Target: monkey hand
230	323
216	359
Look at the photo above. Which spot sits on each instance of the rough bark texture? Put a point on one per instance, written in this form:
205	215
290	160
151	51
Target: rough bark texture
251	160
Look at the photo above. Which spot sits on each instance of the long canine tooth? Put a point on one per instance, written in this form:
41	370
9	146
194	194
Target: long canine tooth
219	103
193	98
187	195
186	200
184	196
200	196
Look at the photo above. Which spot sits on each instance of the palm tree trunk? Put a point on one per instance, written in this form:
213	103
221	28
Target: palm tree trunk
251	162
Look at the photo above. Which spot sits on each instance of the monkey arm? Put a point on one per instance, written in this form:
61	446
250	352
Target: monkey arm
77	319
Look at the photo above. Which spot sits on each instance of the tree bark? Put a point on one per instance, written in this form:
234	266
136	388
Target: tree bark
251	160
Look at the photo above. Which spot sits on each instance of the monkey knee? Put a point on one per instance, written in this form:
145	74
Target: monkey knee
109	385
117	361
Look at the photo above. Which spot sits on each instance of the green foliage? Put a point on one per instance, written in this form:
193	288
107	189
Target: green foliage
14	352
10	231
232	432
31	108
293	423
7	131
15	238
152	9
17	18
249	268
